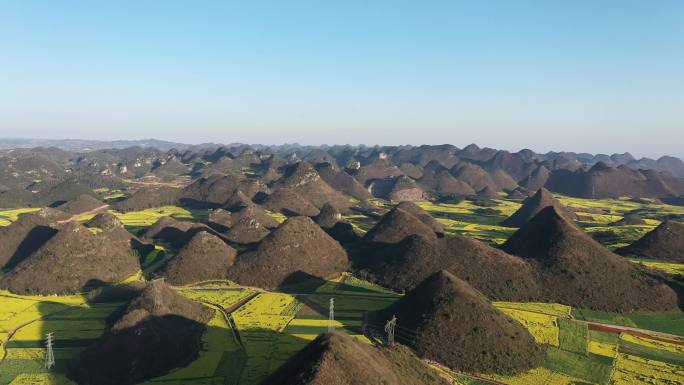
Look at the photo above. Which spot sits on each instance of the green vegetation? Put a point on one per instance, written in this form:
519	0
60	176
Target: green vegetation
572	336
9	216
667	322
259	336
145	218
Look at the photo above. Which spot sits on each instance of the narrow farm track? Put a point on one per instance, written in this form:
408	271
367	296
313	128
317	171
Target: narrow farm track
650	334
471	376
93	211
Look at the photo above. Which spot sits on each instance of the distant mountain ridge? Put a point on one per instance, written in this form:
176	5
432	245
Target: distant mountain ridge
301	179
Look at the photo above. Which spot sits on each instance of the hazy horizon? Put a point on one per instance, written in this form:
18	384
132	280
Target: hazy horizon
228	142
584	76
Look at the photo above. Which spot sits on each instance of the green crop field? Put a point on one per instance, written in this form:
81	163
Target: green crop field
259	336
245	346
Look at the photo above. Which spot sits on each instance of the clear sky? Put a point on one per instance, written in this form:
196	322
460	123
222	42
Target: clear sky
595	75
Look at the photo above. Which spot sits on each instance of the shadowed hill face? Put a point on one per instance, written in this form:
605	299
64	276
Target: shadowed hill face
379	169
665	242
341	181
405	189
211	191
303	179
444	312
488	192
603	181
27	234
247	230
474	176
111	225
338	359
149	197
578	271
533	205
70	260
220	220
536	179
298	247
159	330
80	205
257	213
404	265
422	215
397	225
114	229
290	202
204	257
442	181
168	229
328	216
238	200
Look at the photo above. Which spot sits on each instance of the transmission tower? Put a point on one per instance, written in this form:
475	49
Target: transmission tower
389	329
49	355
331	320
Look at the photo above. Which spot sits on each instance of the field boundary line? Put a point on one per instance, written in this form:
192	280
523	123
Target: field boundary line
92	211
471	376
645	333
11	333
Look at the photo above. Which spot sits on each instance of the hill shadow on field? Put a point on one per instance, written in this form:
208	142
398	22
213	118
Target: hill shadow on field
222	356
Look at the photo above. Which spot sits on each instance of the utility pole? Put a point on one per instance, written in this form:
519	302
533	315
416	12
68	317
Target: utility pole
49	355
389	329
331	320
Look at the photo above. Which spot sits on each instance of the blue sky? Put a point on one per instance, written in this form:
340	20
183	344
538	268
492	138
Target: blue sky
594	76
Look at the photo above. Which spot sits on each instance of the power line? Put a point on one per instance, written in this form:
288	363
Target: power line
49	355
